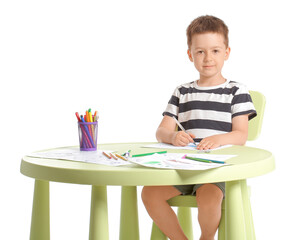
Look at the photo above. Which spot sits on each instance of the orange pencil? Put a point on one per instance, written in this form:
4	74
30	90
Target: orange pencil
90	115
91	130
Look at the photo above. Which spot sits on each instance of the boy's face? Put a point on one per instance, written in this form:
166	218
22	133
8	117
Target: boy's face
208	53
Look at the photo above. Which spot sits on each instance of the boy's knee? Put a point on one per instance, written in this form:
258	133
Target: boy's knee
209	195
158	193
148	193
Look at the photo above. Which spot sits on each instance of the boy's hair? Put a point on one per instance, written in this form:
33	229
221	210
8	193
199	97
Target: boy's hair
205	24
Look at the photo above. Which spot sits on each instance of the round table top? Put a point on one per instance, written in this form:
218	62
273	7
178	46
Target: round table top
249	162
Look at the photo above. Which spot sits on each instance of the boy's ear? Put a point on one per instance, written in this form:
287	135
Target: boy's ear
227	53
189	55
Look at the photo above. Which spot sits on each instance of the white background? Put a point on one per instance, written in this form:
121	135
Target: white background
124	59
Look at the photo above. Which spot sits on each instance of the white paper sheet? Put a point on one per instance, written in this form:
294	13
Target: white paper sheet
176	161
74	154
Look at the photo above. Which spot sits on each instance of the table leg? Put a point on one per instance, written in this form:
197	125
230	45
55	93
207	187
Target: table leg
99	214
40	223
235	218
250	231
129	226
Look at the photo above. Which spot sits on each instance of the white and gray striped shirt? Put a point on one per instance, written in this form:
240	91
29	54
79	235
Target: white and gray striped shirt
207	111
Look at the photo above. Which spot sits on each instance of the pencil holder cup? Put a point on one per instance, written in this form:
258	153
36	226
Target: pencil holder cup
87	136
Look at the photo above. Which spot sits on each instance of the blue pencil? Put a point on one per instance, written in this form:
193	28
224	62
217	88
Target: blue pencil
88	133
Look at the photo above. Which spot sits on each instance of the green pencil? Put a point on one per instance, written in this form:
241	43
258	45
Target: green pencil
204	160
147	154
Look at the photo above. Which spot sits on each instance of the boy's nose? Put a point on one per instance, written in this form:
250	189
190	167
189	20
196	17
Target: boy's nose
207	58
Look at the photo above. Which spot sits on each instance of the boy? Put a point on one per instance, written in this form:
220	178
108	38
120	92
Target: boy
215	112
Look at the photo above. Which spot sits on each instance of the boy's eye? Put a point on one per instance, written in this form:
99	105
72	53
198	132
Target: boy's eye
216	51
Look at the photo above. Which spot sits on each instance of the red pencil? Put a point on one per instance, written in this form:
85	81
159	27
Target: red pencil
106	155
77	115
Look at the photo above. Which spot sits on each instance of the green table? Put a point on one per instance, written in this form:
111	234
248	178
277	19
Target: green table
250	162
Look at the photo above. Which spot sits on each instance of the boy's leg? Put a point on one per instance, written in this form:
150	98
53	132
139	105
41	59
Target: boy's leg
155	201
209	198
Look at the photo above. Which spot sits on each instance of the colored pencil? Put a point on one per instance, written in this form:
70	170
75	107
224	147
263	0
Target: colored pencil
147	154
182	128
119	156
106	155
204	160
114	157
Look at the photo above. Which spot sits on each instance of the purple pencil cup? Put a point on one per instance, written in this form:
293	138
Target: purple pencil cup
87	136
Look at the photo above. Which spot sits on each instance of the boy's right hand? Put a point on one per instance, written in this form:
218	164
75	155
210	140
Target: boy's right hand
182	138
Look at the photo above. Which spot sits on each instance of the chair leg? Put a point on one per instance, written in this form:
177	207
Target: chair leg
222	224
40	223
157	234
184	216
247	210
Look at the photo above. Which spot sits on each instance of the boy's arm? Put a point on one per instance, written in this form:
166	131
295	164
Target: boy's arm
166	133
238	135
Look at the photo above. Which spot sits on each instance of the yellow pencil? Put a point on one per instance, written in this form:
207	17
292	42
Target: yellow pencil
119	156
91	120
90	115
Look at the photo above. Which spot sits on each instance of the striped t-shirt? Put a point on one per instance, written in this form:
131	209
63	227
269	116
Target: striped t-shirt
207	111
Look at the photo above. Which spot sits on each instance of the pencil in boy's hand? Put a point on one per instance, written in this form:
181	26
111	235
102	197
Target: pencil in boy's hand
182	128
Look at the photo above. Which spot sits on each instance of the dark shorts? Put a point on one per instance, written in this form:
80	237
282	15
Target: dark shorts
191	189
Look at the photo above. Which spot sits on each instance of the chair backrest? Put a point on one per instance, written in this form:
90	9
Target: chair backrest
255	124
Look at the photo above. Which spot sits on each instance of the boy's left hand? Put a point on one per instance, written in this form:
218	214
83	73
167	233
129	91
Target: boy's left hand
209	143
